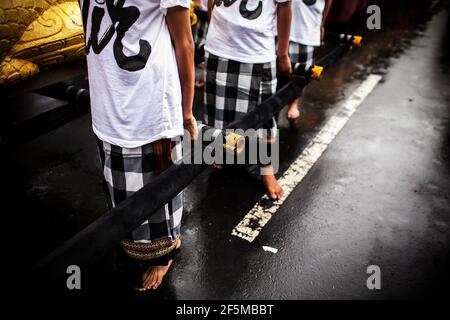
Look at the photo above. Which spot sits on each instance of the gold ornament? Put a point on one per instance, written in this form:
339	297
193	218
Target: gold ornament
36	35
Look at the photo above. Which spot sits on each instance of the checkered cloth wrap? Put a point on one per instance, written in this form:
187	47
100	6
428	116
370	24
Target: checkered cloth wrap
233	88
299	53
126	171
199	32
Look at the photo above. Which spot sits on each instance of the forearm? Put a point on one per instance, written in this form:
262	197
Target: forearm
326	11
186	71
178	21
284	15
210	9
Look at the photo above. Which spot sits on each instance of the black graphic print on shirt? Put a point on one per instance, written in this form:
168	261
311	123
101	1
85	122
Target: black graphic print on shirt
122	18
309	2
247	14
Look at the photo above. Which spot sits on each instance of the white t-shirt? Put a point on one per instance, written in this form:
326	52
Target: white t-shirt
204	5
244	33
133	74
307	21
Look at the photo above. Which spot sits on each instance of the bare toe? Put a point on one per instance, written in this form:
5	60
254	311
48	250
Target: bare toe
149	278
154	275
293	113
274	190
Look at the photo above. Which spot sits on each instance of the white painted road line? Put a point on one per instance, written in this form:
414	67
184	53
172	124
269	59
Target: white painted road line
252	224
270	249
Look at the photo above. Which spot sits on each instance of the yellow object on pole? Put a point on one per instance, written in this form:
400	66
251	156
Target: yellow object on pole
234	142
357	41
316	72
194	18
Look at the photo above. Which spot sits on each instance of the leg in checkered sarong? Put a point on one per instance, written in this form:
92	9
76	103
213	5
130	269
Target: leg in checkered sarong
304	55
127	170
232	89
199	32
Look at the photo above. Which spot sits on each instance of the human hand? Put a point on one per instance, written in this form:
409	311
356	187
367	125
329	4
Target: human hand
284	66
190	125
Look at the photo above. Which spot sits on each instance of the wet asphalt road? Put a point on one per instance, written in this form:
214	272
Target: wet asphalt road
378	196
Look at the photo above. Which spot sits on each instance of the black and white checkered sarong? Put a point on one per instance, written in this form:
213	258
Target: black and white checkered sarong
303	54
126	171
199	32
233	88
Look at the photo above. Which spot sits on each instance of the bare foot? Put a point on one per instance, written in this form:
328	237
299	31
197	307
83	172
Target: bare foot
293	112
154	275
274	190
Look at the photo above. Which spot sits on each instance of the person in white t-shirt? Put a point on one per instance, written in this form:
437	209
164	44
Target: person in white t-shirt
308	27
242	63
141	79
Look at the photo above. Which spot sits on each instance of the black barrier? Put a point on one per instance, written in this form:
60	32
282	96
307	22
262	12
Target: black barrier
68	91
78	104
103	235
